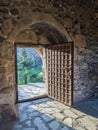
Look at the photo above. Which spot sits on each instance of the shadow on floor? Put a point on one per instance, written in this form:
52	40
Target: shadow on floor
47	114
89	106
29	118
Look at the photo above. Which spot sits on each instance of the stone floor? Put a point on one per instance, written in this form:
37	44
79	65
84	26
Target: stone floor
32	90
47	114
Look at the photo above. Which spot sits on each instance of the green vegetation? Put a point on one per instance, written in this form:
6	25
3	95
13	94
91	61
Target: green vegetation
29	66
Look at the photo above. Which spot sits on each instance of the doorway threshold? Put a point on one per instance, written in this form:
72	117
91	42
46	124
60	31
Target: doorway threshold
32	99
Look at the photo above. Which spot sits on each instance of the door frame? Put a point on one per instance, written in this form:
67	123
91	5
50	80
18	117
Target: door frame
24	45
31	45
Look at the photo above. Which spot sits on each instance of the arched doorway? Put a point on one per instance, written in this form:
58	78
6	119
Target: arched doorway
46	35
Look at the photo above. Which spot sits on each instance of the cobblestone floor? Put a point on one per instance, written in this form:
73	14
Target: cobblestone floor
28	91
47	114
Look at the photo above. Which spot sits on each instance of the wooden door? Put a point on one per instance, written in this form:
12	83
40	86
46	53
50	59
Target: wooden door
60	72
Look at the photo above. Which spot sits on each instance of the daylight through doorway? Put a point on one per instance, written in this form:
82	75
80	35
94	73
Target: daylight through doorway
30	81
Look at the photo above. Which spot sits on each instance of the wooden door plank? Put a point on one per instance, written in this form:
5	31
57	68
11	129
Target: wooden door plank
60	73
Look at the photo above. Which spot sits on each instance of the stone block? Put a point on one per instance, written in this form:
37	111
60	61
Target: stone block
46	118
70	114
8	112
84	66
2	70
54	125
58	116
68	122
96	15
2	38
6	27
80	41
88	123
14	11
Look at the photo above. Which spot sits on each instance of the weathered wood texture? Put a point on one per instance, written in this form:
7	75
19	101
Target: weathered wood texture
59	68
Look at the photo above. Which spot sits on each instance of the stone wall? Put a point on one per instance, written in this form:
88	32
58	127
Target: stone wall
7	80
85	73
77	20
85	68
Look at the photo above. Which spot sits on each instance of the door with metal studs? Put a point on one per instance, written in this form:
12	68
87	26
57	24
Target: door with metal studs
59	60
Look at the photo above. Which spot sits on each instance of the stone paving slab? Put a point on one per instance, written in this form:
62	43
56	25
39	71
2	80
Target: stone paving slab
47	114
32	90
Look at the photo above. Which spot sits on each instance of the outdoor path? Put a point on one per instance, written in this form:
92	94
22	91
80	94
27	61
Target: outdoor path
47	114
32	90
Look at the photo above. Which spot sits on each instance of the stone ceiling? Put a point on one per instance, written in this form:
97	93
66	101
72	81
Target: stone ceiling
41	33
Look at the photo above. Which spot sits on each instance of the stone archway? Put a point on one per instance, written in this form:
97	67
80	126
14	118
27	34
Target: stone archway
35	26
8	50
27	21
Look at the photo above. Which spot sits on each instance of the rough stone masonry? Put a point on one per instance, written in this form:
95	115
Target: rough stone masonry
76	19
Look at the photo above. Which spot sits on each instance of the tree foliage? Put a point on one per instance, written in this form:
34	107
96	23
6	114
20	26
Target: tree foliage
29	68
